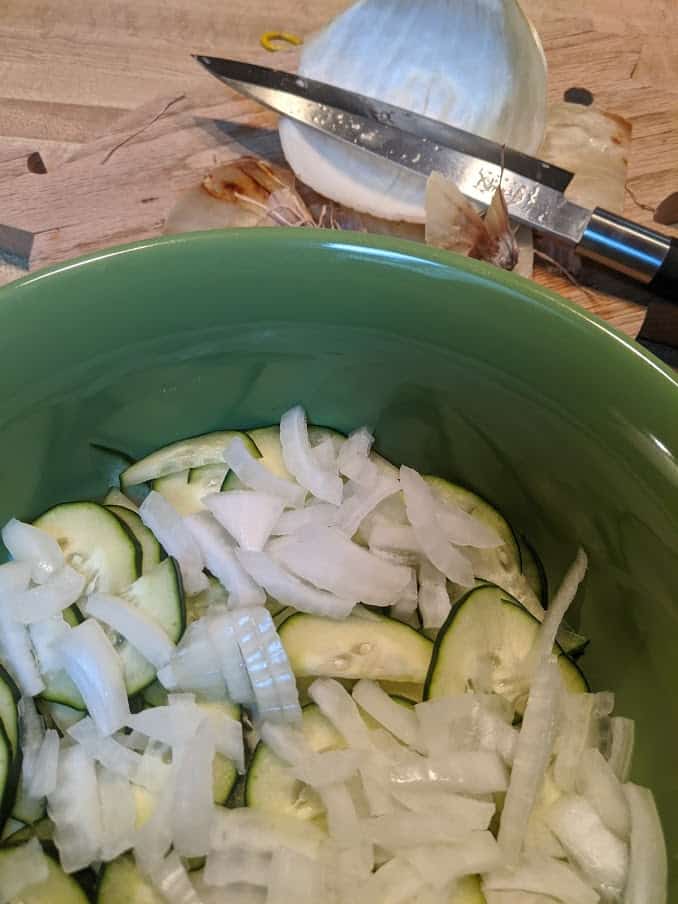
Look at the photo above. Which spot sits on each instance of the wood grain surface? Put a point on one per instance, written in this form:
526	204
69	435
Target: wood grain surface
72	70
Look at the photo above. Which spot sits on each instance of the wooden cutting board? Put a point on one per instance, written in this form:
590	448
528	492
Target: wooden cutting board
124	121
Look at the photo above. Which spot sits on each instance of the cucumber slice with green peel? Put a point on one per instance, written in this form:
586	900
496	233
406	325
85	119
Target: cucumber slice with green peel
270	786
115	497
9	711
57	888
355	648
283	615
154	694
224	773
467	891
42	830
152	552
184	455
12	826
10	771
61	690
61	716
160	595
184	490
122	881
96	543
483	647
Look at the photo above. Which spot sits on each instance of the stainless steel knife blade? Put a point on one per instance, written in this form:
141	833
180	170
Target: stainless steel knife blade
528	201
383	113
532	189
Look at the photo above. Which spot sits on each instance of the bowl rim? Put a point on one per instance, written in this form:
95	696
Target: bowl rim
409	249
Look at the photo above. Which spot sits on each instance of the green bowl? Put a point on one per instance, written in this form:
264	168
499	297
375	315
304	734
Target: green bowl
569	427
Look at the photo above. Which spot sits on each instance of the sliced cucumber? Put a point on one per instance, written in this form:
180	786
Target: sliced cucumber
42	830
224	773
267	442
184	490
9	712
184	455
151	551
154	694
95	543
160	595
57	888
61	716
355	648
115	497
122	881
467	891
272	788
60	689
483	646
27	809
10	770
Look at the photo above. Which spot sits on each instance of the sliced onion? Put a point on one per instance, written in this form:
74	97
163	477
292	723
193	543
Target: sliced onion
153	773
621	746
545	876
399	720
340	812
464	772
222	634
51	598
92	664
45	637
473	815
237	866
286	742
313	516
325	454
559	605
327	768
354	509
579	729
396	881
15	644
433	598
195	664
422	513
601	856
400	538
227	736
299	460
256	476
139	629
332	562
354	458
648	870
118	814
173	725
532	755
171	879
442	864
268	667
220	558
154	837
40	550
75	810
248	516
337	705
110	753
405	607
193	802
247	828
463	529
405	829
44	772
21	867
293	877
170	531
285	587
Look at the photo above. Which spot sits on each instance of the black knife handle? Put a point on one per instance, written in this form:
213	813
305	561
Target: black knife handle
647	256
665	282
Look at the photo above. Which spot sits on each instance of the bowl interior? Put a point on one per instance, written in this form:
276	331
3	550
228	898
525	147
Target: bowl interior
478	376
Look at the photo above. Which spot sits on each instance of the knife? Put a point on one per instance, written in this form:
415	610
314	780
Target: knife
533	189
